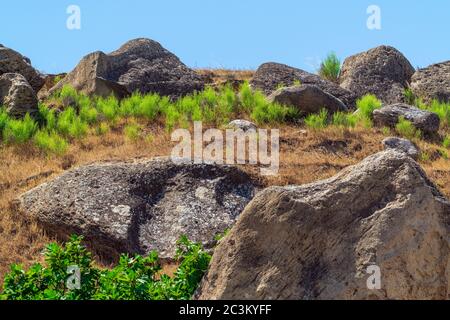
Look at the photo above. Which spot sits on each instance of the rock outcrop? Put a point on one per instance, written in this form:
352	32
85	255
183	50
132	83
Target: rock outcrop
13	62
140	206
139	65
402	145
17	96
382	71
270	76
242	124
432	82
318	241
307	99
427	122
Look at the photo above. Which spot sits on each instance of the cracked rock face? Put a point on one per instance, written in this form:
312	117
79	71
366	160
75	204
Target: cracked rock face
141	206
139	65
270	76
17	95
316	241
432	82
383	71
13	62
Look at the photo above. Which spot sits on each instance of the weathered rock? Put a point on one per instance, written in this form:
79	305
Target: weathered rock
270	76
244	125
49	82
382	71
13	62
402	145
427	122
141	206
432	82
307	99
316	241
139	65
17	95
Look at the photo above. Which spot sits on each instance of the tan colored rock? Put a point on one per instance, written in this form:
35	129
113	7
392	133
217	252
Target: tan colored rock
316	241
17	95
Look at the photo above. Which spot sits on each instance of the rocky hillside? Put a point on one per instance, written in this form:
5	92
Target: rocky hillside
364	176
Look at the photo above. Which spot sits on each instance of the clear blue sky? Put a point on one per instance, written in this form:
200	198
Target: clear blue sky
226	33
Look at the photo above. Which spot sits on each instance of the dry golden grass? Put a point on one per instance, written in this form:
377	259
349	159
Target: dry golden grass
305	156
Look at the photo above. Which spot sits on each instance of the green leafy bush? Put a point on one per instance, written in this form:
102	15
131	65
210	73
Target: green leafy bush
134	278
109	108
446	142
132	131
50	142
410	97
4	118
317	121
406	129
19	130
330	68
367	104
344	120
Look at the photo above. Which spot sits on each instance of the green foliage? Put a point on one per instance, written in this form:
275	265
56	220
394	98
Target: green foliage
424	156
19	131
410	98
344	120
367	104
47	117
330	68
71	125
317	121
406	129
109	108
446	142
134	278
132	131
442	110
102	128
4	118
50	142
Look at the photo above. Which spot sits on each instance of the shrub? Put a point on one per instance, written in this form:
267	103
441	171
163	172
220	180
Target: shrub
134	278
446	142
88	114
130	105
19	130
406	129
367	104
317	121
442	110
103	128
246	97
410	98
50	142
109	107
132	131
344	120
330	68
149	106
4	118
71	125
47	117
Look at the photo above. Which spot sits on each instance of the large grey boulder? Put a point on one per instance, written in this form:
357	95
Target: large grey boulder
307	99
13	62
270	76
140	206
324	240
139	65
432	82
427	122
383	71
16	95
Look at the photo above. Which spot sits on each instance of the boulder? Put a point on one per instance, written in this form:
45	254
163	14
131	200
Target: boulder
432	82
382	71
427	122
17	95
402	145
270	76
139	65
244	125
137	207
13	62
307	99
327	239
